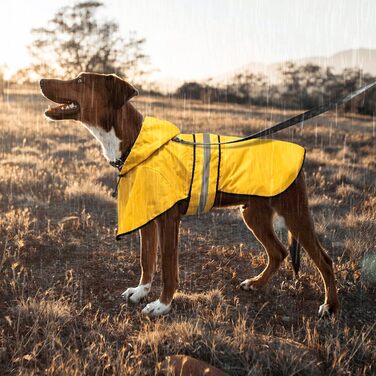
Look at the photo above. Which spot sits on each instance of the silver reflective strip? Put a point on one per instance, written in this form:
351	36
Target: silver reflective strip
205	174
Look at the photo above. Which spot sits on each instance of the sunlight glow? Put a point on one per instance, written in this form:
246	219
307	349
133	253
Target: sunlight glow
197	40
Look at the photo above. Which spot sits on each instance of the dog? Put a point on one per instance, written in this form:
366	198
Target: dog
102	104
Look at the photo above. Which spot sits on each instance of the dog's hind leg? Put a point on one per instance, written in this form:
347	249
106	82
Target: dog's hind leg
258	216
148	256
293	206
294	248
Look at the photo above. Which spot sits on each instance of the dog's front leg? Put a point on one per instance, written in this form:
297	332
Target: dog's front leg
168	231
148	255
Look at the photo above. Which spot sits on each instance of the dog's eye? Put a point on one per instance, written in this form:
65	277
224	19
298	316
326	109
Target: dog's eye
80	80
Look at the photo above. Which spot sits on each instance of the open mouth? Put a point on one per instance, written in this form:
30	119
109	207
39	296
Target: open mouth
67	109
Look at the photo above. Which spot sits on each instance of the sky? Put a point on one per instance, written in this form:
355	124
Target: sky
197	39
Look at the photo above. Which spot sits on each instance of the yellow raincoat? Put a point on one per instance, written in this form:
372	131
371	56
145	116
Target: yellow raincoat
159	172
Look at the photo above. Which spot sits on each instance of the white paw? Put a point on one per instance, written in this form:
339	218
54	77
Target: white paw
135	294
156	308
324	310
247	285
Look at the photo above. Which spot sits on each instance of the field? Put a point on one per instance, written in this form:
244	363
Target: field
62	272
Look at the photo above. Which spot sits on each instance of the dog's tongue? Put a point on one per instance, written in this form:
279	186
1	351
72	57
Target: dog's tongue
55	108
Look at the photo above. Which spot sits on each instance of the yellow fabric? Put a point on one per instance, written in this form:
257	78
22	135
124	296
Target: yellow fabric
259	167
160	172
199	203
156	175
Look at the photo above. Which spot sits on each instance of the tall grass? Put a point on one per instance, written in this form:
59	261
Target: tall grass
61	271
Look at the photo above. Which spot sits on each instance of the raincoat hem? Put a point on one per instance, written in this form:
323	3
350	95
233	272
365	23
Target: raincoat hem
120	236
277	194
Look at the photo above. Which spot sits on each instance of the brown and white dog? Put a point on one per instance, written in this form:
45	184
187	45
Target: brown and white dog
101	104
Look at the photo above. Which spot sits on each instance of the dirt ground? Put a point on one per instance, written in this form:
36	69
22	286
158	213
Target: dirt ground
62	272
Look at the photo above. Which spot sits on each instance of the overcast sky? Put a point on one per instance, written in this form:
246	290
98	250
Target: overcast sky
194	39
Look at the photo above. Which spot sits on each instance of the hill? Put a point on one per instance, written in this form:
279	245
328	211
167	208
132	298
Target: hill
363	58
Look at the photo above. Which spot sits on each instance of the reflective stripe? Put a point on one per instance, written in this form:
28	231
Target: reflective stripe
205	175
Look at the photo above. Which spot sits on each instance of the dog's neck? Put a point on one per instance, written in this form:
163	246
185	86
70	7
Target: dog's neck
123	131
127	126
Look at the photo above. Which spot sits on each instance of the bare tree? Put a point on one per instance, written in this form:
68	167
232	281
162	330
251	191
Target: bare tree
75	41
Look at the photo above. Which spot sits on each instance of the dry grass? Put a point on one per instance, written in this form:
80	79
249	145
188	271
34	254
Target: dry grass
61	271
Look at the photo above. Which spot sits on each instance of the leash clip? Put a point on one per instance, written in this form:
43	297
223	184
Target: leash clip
118	163
115	191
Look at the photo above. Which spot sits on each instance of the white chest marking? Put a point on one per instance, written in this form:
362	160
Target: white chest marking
109	141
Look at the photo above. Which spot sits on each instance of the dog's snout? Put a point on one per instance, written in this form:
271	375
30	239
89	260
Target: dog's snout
42	83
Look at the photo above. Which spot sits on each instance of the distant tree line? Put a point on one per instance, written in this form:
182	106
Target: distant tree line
300	86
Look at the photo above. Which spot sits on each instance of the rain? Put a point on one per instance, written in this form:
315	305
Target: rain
188	187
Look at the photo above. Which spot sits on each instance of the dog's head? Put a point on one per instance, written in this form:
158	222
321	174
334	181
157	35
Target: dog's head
90	97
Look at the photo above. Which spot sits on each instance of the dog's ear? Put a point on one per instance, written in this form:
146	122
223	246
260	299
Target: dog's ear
119	91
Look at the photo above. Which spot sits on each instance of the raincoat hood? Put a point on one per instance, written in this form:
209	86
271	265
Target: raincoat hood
154	133
160	172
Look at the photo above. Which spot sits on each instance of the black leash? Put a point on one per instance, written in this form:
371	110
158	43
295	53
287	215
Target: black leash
118	163
288	122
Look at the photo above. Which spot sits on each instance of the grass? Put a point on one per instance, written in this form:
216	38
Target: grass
62	272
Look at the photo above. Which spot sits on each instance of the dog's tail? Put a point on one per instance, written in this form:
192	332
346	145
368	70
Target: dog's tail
294	248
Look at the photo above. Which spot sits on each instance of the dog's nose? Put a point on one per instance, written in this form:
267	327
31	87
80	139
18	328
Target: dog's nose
42	82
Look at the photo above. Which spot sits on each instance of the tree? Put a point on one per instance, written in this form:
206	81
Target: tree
248	87
190	90
291	87
75	41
